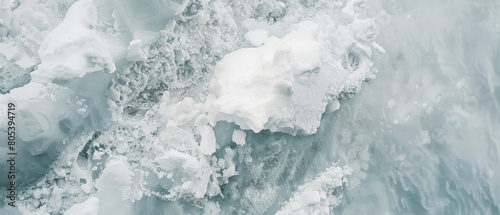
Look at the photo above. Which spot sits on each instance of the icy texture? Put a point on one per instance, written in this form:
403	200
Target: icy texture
286	84
252	107
23	26
431	118
316	197
88	207
74	35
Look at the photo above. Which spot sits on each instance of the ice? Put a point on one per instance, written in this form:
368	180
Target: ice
71	57
207	143
135	53
88	207
286	84
89	52
256	37
316	197
183	174
252	107
133	17
239	137
114	187
23	26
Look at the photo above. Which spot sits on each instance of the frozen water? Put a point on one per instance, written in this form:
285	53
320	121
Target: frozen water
252	107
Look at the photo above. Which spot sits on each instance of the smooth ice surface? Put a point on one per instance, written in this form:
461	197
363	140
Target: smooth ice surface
252	107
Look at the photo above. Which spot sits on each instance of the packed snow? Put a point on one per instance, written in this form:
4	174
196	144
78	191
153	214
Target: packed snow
286	84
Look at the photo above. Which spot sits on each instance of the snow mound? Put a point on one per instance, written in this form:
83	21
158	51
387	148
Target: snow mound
239	137
114	187
316	197
74	35
183	174
286	84
88	207
145	126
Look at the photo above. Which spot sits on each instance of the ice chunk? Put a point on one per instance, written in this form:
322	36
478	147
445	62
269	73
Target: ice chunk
115	187
72	49
179	139
174	159
135	53
316	197
207	143
239	137
333	106
256	37
185	174
212	208
88	207
286	84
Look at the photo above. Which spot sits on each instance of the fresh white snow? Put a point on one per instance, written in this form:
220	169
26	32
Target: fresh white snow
251	107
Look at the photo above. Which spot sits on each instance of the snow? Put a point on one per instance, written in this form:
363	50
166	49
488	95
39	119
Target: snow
114	187
315	197
87	207
89	53
239	137
135	53
85	71
186	173
252	107
256	37
333	106
174	159
207	143
286	84
212	208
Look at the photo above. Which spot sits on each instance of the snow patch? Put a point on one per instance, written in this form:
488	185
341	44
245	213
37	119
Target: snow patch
316	196
115	187
207	143
73	49
88	207
257	37
286	84
239	137
183	174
